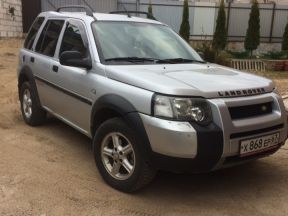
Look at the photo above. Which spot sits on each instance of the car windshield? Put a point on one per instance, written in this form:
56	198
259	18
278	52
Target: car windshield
134	42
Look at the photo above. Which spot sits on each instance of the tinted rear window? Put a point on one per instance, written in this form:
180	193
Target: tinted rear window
33	32
49	37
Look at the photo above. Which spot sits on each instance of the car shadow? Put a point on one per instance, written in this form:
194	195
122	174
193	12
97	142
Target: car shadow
255	177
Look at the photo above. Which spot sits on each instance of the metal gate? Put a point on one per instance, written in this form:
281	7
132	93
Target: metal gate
101	6
30	10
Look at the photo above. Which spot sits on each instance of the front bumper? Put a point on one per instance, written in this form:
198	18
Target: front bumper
199	149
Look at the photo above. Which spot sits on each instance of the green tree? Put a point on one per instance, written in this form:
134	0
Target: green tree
285	39
150	11
185	26
252	38
220	34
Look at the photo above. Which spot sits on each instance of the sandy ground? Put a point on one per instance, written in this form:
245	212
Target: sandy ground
50	170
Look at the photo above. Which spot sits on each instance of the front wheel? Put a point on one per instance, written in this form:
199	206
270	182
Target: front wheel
118	157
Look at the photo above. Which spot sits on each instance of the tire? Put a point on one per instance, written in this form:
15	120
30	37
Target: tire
32	113
105	138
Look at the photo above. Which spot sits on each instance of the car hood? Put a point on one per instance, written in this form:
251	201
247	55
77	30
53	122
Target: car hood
204	80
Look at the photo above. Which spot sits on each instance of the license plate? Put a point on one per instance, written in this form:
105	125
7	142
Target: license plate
259	144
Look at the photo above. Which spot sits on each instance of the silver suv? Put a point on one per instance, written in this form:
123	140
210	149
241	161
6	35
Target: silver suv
145	97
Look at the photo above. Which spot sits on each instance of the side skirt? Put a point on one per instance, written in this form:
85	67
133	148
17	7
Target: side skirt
68	122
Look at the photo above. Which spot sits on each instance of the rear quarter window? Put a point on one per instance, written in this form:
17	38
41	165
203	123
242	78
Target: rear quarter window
33	32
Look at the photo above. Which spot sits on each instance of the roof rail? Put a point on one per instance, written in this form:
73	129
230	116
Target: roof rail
88	10
149	16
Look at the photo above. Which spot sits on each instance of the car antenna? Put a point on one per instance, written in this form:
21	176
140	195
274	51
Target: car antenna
125	9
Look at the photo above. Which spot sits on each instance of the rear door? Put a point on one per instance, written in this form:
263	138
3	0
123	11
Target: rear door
43	61
27	54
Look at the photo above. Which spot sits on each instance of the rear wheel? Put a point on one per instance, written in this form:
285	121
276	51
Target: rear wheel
118	158
33	114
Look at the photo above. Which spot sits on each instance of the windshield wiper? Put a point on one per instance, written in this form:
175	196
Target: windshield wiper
132	59
157	61
178	60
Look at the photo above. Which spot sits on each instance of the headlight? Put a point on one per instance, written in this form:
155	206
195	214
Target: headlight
186	109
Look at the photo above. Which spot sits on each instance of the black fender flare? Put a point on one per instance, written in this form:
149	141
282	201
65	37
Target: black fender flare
129	114
113	102
27	74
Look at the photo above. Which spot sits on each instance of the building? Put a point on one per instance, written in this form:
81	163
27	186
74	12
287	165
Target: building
11	18
31	8
16	16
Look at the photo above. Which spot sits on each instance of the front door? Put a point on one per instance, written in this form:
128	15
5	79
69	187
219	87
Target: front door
74	101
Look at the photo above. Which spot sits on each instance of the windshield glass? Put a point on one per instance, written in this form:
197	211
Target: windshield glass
125	41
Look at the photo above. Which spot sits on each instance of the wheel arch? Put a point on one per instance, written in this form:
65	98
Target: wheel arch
111	106
26	75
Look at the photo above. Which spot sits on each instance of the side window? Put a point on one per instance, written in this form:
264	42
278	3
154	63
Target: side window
33	32
48	39
72	40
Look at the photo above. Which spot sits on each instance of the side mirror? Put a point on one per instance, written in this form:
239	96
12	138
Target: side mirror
75	59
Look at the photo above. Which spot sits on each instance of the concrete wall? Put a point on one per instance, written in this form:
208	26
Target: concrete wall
239	46
262	48
10	26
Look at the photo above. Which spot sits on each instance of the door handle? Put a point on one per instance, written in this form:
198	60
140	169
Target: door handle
32	59
55	68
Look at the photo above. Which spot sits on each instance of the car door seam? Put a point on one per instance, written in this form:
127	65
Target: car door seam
70	93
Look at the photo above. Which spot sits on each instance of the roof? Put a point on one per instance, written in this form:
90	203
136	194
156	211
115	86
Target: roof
122	17
99	17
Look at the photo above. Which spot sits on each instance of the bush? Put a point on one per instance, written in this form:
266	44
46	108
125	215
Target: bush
285	39
275	55
211	55
185	26
252	38
220	34
239	55
223	58
150	11
206	51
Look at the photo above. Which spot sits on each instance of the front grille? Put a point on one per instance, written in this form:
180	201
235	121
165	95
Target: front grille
250	110
254	132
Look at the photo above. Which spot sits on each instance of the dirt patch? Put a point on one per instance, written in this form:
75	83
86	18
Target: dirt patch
282	85
279	77
49	170
9	54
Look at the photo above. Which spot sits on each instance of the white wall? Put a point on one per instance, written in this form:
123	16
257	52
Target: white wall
10	26
204	20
